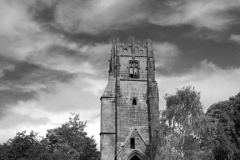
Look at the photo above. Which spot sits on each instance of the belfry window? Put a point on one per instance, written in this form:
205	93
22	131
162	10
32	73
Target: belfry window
133	69
132	143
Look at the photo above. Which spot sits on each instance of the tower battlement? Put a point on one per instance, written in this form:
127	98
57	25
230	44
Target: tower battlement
133	49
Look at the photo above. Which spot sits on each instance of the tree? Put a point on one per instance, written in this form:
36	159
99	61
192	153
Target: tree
22	146
68	142
184	127
226	116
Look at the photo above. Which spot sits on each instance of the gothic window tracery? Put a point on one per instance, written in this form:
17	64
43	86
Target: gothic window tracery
133	69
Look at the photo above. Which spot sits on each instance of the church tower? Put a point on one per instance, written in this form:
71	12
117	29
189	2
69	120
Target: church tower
129	104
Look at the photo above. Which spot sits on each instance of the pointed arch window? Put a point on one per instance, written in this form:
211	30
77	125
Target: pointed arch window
133	69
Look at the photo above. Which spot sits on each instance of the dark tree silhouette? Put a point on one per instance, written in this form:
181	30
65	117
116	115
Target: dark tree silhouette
68	142
226	116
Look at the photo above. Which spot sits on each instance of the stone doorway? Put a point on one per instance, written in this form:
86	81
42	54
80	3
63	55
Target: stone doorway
135	158
136	155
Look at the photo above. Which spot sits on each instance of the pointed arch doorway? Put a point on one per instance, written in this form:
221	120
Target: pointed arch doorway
135	158
136	155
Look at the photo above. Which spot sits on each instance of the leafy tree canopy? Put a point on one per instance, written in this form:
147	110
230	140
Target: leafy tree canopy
187	133
185	130
68	142
226	116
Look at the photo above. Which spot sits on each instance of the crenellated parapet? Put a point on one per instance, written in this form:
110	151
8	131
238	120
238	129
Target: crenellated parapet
132	50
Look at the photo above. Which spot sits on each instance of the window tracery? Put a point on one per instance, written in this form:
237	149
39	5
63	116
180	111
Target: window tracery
133	69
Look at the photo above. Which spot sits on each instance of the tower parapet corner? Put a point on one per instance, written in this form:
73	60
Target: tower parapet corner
149	48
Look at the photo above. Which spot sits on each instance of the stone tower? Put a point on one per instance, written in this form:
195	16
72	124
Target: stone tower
129	104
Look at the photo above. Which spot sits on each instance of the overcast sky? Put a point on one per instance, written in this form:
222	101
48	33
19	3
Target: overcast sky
54	54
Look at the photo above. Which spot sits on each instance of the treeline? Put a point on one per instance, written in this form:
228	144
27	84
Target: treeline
184	132
187	133
68	142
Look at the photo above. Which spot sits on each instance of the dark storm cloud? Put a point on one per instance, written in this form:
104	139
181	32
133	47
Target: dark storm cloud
43	12
13	96
214	14
92	17
176	69
55	51
22	69
26	72
83	18
194	26
104	17
26	80
73	57
178	22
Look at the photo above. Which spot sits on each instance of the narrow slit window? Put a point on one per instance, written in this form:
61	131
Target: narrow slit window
134	101
132	143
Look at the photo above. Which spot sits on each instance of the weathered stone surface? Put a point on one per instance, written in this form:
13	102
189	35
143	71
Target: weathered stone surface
132	116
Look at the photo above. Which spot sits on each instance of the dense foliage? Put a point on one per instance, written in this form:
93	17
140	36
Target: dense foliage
68	142
226	116
187	133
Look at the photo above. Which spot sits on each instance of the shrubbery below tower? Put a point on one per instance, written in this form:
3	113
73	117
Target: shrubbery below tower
129	104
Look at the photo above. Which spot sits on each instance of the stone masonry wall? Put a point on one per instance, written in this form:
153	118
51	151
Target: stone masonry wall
108	121
132	116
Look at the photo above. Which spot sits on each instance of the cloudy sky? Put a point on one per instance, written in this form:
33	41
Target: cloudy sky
54	54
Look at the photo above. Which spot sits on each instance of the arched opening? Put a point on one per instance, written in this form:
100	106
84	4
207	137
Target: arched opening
135	155
135	158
